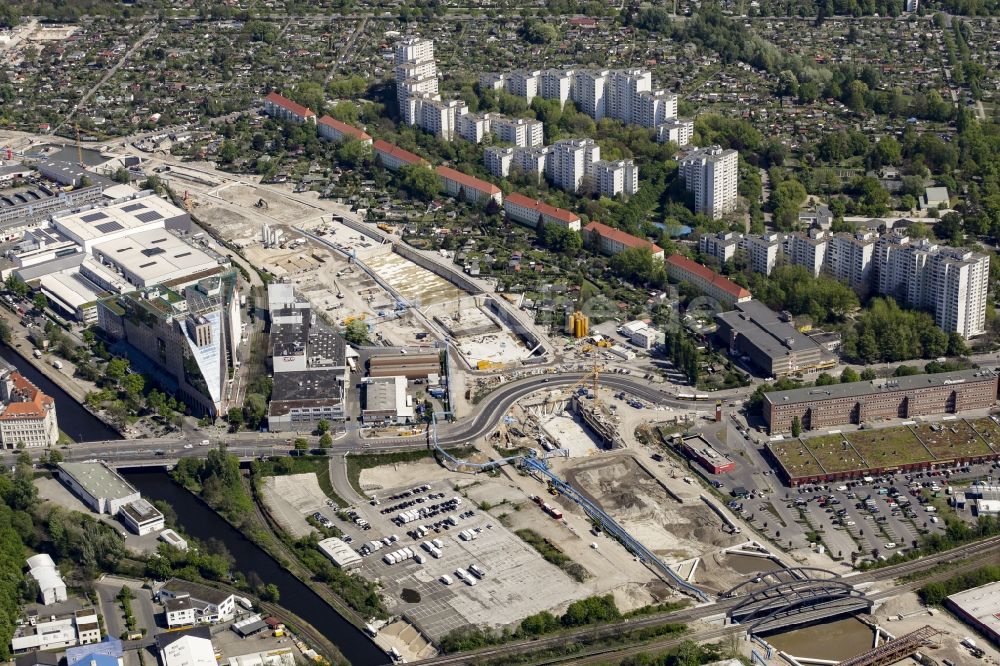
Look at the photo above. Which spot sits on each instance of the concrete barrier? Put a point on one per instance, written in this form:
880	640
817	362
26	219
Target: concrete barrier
455	276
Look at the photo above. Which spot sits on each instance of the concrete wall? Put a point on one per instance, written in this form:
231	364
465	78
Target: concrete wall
455	276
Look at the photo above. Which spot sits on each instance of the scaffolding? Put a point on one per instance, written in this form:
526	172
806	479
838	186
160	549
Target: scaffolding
894	650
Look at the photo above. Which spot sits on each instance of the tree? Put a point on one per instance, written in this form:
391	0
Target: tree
254	410
356	332
133	384
39	301
270	593
538	32
849	375
634	263
322	427
122	176
16	286
228	152
420	181
345	112
868	374
301	444
325	440
353	153
235	418
796	427
957	345
116	370
5	332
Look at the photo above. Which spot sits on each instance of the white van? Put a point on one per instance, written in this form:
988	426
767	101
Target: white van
446	579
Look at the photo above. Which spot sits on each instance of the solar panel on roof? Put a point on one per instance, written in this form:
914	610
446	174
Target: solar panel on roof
108	227
94	217
148	216
133	207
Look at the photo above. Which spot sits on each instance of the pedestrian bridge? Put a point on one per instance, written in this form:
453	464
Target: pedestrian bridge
787	597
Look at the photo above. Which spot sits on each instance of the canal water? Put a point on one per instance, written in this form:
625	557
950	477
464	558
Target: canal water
202	523
836	641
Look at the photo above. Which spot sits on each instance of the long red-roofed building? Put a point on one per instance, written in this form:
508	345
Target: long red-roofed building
473	189
393	157
682	269
334	130
28	416
285	109
609	240
536	213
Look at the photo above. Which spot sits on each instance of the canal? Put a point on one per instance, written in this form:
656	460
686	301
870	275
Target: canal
202	523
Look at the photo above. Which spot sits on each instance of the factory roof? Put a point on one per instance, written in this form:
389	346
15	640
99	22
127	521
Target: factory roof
98	479
156	256
387	394
761	326
339	552
306	385
187	648
148	212
71	290
982	604
141	511
109	647
860	389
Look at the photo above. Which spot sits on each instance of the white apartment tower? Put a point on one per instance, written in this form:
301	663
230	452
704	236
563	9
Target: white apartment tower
678	130
520	132
532	160
711	175
498	160
440	118
762	252
557	84
808	250
416	74
474	126
614	178
655	108
623	91
849	258
523	83
589	91
570	161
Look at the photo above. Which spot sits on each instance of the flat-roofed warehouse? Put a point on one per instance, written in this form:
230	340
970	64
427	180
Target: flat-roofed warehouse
410	365
979	607
341	554
99	486
154	257
120	220
899	397
774	346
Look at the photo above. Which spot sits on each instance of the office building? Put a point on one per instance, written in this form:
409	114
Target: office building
498	160
952	282
519	132
394	158
386	401
570	162
285	109
710	283
722	245
51	587
678	130
880	399
191	647
808	250
27	416
614	178
849	258
210	605
523	83
309	363
535	213
334	130
622	94
186	335
772	345
473	190
711	175
57	631
611	241
474	126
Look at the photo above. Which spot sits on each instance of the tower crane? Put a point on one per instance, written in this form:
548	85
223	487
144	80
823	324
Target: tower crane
594	377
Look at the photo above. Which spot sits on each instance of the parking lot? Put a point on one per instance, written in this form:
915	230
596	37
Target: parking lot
462	536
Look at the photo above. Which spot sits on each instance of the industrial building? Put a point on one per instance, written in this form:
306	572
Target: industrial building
899	397
699	449
340	553
141	517
776	348
412	365
309	362
191	647
57	631
105	491
710	283
27	416
210	605
51	587
980	608
109	652
386	401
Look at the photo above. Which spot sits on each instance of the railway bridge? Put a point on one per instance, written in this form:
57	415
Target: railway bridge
787	597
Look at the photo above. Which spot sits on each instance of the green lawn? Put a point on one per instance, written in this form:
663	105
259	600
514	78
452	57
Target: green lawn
889	447
952	439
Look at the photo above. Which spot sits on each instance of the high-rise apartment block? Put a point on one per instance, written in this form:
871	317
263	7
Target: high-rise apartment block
761	251
531	161
614	178
440	118
474	126
849	258
557	84
808	250
498	160
711	175
520	132
623	91
570	162
590	92
523	83
678	130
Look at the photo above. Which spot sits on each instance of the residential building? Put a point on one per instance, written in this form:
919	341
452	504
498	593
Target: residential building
27	416
952	282
557	84
773	345
386	401
570	162
309	362
394	158
531	161
519	132
655	108
187	335
536	213
808	250
590	91
622	94
849	258
820	217
492	81
409	90
523	84
438	117
762	251
611	241
210	605
614	178
57	631
192	647
473	190
416	75
710	283
474	126
722	245
498	160
711	175
51	588
880	399
678	130
283	108
335	130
